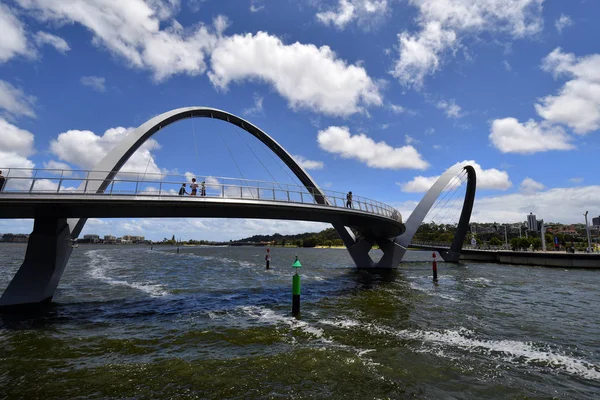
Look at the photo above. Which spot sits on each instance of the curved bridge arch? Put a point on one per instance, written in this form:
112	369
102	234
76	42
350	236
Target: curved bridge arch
118	156
420	212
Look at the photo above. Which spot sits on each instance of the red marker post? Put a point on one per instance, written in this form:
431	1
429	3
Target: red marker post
434	266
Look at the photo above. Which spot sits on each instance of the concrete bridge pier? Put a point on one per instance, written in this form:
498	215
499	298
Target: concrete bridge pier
47	254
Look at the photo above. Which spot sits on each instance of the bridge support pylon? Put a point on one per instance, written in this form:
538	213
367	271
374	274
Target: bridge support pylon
47	255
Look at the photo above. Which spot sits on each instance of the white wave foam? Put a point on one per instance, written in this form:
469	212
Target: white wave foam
100	266
512	351
267	315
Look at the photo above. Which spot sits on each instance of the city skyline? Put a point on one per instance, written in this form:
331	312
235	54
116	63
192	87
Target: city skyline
378	97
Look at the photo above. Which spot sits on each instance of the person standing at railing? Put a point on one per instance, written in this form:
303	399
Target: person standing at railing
203	189
182	190
193	187
349	200
2	181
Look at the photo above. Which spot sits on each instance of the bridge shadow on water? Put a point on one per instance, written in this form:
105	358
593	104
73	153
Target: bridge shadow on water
351	284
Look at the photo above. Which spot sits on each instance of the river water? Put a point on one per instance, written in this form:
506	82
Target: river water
210	322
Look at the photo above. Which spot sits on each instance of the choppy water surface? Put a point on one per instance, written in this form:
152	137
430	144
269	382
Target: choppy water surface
210	322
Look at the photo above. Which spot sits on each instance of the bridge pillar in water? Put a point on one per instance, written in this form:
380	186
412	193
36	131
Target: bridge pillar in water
47	254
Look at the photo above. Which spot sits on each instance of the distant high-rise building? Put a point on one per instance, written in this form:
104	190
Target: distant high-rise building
532	222
596	221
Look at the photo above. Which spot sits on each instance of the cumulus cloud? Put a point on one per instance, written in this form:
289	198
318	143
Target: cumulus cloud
85	149
257	108
510	136
13	40
563	22
451	109
15	146
95	82
308	164
45	38
492	179
557	205
15	140
144	33
14	101
442	23
307	76
338	140
577	103
367	13
529	186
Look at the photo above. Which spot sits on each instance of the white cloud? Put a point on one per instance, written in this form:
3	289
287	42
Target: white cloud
256	6
577	104
576	180
308	164
563	22
15	140
338	140
442	24
564	205
507	66
451	109
258	106
42	38
419	184
420	54
62	168
396	109
133	32
529	186
85	149
307	76
510	136
491	179
95	82
14	101
410	140
13	40
367	13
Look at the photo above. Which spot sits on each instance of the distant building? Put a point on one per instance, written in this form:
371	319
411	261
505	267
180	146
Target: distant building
110	239
15	238
133	239
596	221
90	239
532	224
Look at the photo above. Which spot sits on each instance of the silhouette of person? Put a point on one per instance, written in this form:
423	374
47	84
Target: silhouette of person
182	190
203	189
2	181
349	200
193	187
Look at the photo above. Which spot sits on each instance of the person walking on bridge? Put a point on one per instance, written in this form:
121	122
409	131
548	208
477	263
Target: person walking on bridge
193	187
349	200
203	188
182	190
2	181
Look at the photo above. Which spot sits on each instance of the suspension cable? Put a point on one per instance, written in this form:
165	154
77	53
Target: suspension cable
194	134
235	162
260	161
452	187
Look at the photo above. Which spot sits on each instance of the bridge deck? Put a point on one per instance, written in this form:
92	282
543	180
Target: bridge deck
21	205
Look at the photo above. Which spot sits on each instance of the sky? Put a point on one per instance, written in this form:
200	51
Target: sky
375	96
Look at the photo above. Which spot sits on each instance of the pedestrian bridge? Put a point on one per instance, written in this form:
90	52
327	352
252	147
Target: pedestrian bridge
68	194
60	201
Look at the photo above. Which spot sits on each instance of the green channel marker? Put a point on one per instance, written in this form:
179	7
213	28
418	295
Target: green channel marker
296	288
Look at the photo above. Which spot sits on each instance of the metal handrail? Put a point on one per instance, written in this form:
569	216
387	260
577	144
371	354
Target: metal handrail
23	180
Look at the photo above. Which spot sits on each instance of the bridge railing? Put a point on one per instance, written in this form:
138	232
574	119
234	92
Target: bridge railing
71	182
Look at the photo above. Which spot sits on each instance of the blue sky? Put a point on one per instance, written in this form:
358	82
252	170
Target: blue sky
376	96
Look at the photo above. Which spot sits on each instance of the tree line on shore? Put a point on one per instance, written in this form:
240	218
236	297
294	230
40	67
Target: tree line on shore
491	234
